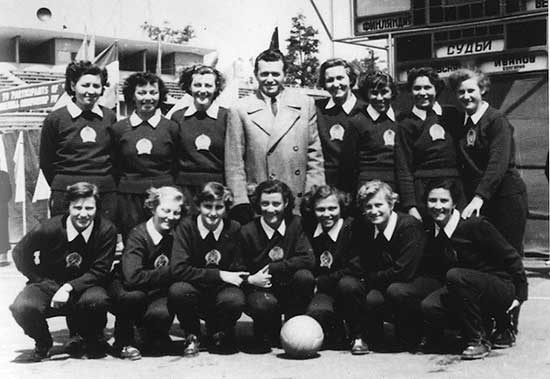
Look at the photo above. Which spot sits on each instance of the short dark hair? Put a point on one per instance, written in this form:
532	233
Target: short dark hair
77	69
376	80
214	191
274	186
450	185
82	190
458	76
317	193
270	55
333	62
429	73
186	77
141	79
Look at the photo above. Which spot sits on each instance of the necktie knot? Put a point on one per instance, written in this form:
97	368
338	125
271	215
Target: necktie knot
274	106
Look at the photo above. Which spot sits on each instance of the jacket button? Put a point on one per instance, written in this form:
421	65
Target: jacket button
299	194
297	172
295	148
271	176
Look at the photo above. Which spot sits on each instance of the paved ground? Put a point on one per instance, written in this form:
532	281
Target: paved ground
530	358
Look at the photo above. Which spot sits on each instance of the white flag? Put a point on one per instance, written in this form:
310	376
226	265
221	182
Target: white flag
19	170
42	190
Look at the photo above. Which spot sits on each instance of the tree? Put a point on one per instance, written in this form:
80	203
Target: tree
167	33
367	64
302	47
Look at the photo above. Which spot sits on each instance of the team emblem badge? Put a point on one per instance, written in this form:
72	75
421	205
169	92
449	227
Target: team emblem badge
336	132
73	260
437	132
88	134
144	146
203	142
471	137
326	259
213	257
276	254
161	261
389	137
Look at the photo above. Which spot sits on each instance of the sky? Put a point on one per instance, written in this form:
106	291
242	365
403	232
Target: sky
235	28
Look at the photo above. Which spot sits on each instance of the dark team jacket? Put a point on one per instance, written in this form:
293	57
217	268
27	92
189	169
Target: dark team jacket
332	257
80	265
199	261
488	167
145	156
366	154
144	265
200	160
476	244
79	149
284	254
380	262
332	146
422	151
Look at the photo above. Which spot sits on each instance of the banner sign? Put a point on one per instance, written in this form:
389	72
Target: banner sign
383	23
469	47
32	96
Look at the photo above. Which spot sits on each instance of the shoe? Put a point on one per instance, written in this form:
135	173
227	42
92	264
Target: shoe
359	347
192	345
41	351
130	353
96	348
222	343
74	346
476	350
503	339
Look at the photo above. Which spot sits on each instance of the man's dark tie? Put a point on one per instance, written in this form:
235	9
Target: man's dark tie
274	106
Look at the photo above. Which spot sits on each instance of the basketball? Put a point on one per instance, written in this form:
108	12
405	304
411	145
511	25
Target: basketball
301	337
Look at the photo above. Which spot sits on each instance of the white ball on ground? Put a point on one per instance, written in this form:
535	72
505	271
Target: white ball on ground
301	337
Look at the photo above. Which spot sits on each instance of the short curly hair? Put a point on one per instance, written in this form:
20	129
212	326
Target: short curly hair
429	73
368	190
141	79
214	191
376	80
463	74
186	78
274	186
154	196
317	193
77	69
334	62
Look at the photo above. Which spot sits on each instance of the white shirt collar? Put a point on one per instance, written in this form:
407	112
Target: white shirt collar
153	232
374	114
390	227
135	120
421	113
479	113
211	112
75	111
203	230
347	106
269	231
72	233
451	225
332	233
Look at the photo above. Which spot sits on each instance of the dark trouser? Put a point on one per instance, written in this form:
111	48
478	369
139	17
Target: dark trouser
87	311
363	308
130	212
266	305
148	310
107	204
473	295
509	215
219	306
323	309
406	299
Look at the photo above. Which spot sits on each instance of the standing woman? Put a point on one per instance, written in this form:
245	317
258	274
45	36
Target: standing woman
487	153
145	148
337	77
368	146
75	143
201	130
425	148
